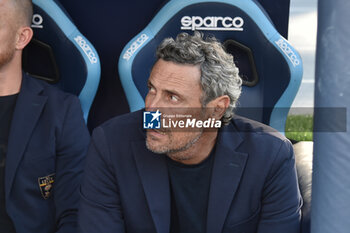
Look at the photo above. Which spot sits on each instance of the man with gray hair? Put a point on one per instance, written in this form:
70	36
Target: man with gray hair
196	167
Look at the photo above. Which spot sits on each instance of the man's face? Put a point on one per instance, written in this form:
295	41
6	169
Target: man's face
174	89
7	33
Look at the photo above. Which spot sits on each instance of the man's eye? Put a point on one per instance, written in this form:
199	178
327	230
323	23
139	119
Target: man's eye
174	98
151	89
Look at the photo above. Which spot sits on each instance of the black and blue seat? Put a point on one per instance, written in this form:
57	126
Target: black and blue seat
270	67
61	55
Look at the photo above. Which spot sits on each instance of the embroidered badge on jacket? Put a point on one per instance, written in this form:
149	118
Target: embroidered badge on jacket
46	184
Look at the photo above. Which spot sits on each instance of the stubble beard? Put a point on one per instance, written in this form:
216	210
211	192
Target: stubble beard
6	57
178	153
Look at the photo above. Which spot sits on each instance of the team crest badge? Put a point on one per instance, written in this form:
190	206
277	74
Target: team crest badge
46	185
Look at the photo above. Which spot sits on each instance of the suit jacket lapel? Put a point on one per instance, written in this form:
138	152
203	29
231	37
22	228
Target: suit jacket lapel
153	172
28	108
226	175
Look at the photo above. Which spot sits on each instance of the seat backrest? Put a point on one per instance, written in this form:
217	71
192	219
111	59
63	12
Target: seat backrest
269	66
61	55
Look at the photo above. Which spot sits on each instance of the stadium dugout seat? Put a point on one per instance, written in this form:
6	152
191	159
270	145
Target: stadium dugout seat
270	67
61	55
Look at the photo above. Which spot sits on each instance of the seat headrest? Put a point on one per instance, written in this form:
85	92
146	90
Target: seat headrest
269	66
60	54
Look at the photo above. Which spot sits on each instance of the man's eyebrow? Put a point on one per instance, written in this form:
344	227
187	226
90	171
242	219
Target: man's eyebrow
173	92
149	83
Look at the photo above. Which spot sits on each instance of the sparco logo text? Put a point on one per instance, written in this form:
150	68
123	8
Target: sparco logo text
87	49
288	52
212	23
135	46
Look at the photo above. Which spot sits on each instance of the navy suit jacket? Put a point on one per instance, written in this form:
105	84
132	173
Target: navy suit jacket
48	139
253	185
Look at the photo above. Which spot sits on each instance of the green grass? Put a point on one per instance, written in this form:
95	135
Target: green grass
299	127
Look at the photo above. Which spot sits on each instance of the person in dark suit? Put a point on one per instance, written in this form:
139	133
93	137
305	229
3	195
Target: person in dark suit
43	138
233	175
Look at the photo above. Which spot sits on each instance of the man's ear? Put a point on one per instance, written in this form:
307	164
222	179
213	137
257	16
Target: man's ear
24	35
218	106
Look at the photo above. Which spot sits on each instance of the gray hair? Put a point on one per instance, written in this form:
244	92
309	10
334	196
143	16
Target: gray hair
219	74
